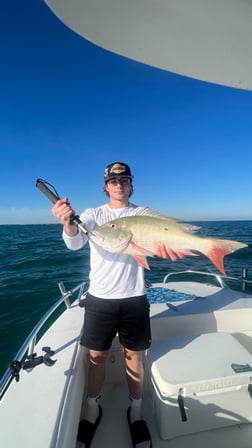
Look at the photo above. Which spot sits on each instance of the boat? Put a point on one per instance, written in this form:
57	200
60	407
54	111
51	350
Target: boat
198	371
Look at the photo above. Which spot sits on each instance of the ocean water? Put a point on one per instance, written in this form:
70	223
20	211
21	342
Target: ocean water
34	259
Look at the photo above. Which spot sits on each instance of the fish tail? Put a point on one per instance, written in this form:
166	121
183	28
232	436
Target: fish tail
217	250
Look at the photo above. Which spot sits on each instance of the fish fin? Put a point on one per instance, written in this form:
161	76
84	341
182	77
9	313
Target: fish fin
218	249
191	228
154	214
186	253
133	249
139	253
142	261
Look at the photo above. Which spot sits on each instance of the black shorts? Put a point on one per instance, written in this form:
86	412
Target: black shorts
104	318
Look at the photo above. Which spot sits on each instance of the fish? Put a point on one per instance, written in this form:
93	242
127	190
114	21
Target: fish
139	236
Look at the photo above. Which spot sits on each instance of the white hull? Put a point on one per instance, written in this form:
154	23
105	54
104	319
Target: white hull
43	409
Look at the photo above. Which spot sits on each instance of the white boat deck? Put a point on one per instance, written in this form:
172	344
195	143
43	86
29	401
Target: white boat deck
39	397
44	407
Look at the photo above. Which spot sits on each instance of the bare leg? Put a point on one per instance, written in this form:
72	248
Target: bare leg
134	373
135	378
96	376
96	373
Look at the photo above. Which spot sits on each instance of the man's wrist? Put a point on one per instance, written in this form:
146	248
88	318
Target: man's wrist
71	230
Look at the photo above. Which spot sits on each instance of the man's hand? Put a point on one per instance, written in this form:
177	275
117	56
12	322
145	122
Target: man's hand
63	212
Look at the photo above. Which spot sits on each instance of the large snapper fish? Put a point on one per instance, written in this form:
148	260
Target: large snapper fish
140	235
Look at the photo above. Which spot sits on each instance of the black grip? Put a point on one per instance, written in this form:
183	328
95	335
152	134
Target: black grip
52	196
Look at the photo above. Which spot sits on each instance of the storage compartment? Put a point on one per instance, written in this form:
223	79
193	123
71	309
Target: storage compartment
200	383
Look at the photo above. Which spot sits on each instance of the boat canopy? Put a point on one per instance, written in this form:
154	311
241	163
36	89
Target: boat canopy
209	40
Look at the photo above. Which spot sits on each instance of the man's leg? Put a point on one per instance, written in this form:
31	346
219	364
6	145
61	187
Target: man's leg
96	373
135	379
96	377
134	372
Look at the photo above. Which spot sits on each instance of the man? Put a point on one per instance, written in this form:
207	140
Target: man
116	287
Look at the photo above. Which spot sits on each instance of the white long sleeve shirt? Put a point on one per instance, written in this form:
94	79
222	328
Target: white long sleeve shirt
112	276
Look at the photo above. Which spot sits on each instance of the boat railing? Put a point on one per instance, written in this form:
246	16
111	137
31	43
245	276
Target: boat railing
220	279
29	344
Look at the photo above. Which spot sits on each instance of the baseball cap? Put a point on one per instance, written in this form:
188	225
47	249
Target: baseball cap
117	169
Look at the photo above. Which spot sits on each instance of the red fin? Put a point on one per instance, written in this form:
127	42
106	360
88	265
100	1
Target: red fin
135	249
185	253
216	255
219	248
142	261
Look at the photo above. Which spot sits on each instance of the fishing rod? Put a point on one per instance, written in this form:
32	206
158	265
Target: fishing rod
53	196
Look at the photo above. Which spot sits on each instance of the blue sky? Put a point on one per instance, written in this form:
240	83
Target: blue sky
68	108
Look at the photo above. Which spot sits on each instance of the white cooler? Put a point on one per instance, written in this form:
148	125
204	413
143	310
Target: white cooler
200	383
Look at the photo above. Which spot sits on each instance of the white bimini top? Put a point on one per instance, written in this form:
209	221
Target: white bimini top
112	275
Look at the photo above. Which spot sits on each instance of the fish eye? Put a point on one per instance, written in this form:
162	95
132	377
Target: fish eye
113	226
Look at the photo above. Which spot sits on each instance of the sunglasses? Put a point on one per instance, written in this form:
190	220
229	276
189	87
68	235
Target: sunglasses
122	181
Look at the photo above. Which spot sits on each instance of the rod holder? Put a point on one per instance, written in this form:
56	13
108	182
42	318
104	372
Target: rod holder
64	293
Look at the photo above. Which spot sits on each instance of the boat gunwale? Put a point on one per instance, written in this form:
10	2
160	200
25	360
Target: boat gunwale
31	340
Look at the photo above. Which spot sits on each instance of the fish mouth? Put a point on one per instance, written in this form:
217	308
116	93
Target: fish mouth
95	237
114	245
